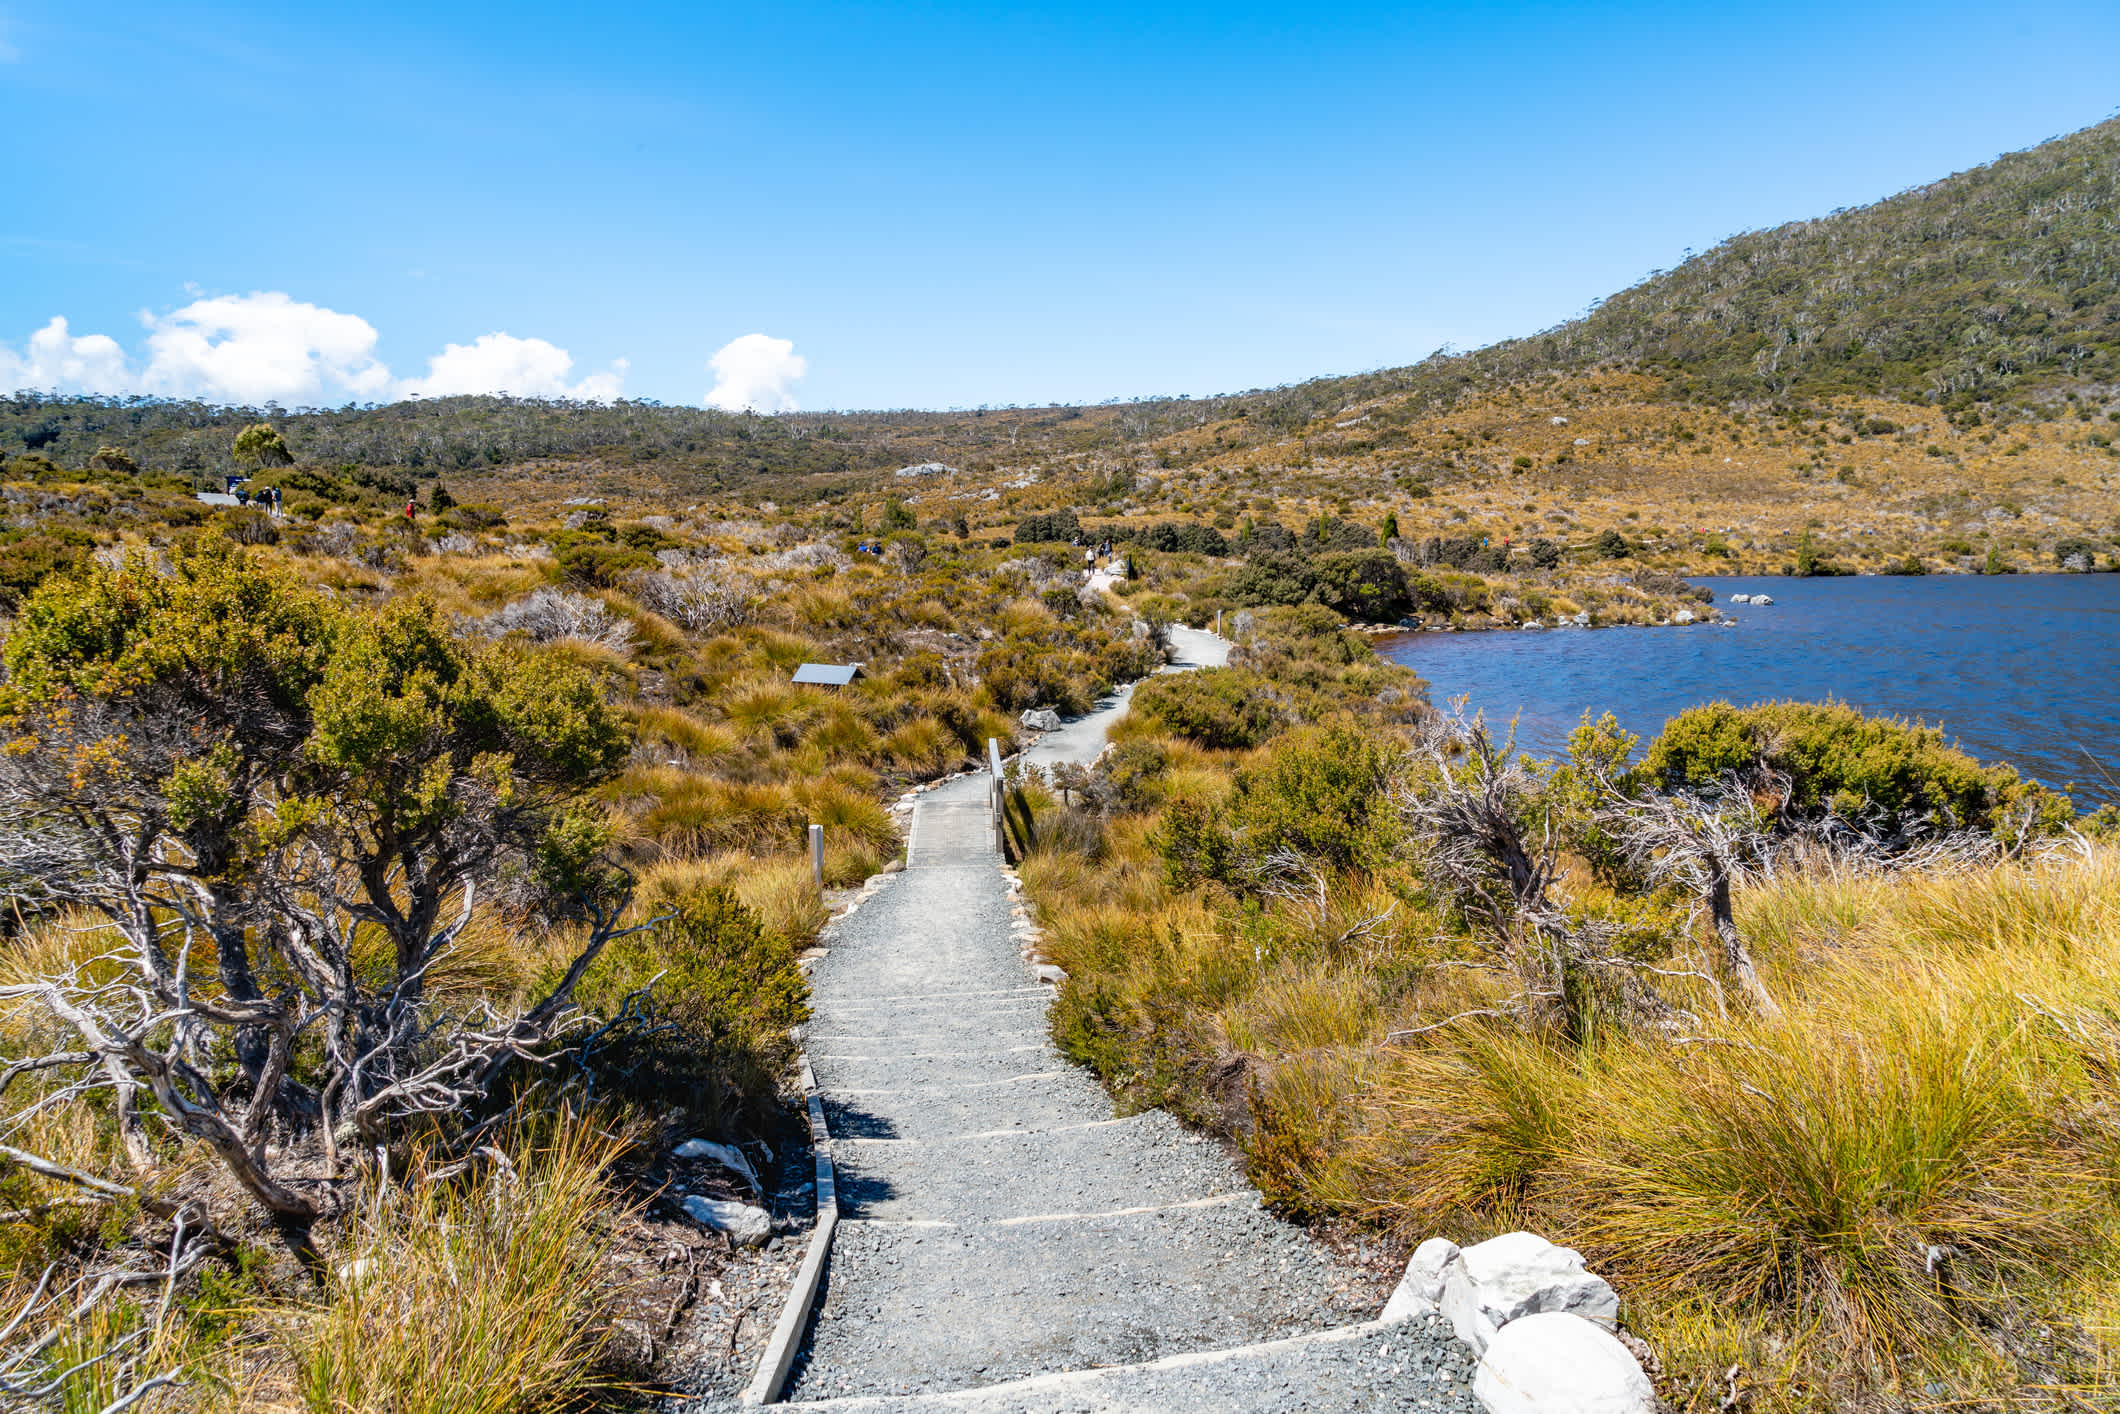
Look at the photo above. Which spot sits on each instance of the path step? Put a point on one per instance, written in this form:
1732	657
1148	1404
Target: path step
953	1307
1024	1173
1370	1366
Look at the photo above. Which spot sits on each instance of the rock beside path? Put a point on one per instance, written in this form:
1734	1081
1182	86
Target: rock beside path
1502	1280
745	1225
1552	1362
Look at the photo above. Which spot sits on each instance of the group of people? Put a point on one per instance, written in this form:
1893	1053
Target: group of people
266	498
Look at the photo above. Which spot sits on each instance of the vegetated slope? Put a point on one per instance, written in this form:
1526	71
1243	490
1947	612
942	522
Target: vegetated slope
1999	279
1996	278
697	449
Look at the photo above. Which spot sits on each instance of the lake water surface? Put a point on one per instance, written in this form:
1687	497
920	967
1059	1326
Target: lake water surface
2017	668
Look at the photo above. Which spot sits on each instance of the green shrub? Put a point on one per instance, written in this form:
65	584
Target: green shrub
1362	584
25	564
1610	545
1320	792
1053	525
1227	709
2076	548
1837	759
601	565
721	1012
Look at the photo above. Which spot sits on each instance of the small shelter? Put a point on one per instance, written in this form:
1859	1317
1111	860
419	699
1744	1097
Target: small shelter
828	674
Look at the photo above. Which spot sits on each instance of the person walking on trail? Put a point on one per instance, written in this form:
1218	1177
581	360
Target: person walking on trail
411	508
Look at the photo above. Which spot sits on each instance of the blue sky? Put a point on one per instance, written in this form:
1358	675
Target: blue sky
932	205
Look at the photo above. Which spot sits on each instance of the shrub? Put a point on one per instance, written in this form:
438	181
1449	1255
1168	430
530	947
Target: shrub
1362	584
727	995
1227	709
1273	577
1837	759
247	525
1320	793
1610	545
601	564
1052	525
1173	536
1545	554
551	615
27	562
2075	553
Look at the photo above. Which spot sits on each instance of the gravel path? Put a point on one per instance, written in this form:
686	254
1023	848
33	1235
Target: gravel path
1006	1241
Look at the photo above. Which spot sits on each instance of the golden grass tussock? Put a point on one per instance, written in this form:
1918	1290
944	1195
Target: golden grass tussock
1905	1181
1908	1171
666	729
779	889
471	1296
923	747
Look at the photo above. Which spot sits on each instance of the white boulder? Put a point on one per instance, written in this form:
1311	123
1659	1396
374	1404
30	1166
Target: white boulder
1740	598
1683	616
727	1155
1556	1363
746	1226
1760	601
1420	1291
1041	719
1520	1274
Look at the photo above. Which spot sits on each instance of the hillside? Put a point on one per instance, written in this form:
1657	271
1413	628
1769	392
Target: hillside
1931	376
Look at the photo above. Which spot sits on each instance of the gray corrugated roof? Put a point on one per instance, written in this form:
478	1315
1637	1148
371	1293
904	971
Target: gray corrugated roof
828	674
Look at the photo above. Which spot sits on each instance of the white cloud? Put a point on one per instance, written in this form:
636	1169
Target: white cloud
55	360
754	372
262	347
269	347
502	363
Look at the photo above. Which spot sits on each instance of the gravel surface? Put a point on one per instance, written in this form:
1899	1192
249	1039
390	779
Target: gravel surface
1417	1366
1006	1242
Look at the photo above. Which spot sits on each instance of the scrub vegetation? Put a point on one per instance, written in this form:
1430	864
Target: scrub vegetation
396	868
1797	1024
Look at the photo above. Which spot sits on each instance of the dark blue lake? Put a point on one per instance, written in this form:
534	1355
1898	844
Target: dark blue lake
2018	668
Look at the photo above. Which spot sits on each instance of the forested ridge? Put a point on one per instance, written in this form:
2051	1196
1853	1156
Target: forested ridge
1995	282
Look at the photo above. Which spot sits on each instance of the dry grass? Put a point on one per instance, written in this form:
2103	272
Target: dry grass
465	1298
1905	1183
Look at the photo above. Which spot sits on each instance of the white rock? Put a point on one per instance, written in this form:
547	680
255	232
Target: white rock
1042	719
1740	598
746	1225
1555	1363
1049	973
1420	1291
727	1155
1762	600
1516	1275
1683	616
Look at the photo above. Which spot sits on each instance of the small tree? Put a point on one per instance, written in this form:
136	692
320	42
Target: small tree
114	459
260	444
219	760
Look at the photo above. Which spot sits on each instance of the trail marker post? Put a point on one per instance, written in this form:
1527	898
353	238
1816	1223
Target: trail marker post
817	855
997	797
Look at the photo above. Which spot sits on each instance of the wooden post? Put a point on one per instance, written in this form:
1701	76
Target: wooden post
817	855
998	796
